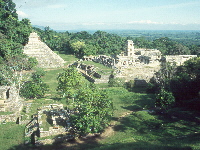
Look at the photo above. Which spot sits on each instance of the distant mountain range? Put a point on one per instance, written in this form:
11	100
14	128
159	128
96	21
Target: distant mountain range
40	27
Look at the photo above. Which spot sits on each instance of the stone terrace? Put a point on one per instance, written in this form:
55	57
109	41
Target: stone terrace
44	55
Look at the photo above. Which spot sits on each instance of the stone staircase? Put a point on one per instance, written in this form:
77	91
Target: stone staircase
103	79
45	56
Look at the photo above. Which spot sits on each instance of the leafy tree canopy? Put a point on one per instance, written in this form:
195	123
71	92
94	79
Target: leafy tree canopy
91	106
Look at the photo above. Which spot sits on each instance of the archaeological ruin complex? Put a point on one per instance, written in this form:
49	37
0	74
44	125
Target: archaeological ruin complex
138	64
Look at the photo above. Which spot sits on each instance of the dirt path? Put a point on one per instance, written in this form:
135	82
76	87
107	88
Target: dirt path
109	131
91	141
94	139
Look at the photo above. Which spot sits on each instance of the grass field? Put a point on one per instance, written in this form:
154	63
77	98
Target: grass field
11	135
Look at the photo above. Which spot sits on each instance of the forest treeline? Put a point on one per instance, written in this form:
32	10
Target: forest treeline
177	86
13	36
100	42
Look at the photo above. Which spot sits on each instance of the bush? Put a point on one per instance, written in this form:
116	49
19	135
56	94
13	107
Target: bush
165	99
116	82
130	85
34	88
31	63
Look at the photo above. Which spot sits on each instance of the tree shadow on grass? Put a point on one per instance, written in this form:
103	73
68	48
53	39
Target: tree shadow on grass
61	142
89	144
56	98
163	129
142	102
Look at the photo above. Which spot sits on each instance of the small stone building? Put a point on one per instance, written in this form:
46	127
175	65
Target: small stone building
10	102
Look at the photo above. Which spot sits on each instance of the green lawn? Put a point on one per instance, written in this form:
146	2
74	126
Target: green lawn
125	101
5	113
142	130
68	58
11	135
50	78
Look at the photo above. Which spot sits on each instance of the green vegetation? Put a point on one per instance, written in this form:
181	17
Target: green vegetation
34	88
5	113
115	82
101	42
11	135
50	79
178	85
13	33
124	101
91	106
142	130
104	70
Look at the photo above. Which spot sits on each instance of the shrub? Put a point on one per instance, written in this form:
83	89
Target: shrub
165	99
115	82
34	88
31	63
130	85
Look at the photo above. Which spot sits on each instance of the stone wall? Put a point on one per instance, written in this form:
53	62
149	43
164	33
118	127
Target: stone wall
102	59
52	131
179	59
88	71
10	102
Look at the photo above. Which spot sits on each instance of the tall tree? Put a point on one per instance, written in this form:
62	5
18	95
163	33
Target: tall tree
93	111
69	82
91	106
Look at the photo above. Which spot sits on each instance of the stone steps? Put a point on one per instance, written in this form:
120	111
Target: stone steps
103	79
45	56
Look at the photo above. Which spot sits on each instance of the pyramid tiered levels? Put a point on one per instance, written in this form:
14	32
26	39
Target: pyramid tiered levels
45	56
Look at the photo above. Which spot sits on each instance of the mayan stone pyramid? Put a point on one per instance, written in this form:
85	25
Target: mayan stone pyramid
45	56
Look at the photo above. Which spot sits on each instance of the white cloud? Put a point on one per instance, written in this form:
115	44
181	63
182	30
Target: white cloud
22	14
144	22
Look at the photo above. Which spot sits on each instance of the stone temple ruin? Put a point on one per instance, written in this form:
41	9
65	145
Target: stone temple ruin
45	56
10	102
138	64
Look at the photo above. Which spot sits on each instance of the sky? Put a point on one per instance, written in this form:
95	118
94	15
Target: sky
111	14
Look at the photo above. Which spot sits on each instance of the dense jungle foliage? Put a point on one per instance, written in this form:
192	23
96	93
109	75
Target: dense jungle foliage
177	86
101	42
13	35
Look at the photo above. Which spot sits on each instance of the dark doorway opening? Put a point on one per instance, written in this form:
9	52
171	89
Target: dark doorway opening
8	94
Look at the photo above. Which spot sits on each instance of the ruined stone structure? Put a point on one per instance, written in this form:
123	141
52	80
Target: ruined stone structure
10	102
88	71
179	59
45	56
102	59
138	57
138	64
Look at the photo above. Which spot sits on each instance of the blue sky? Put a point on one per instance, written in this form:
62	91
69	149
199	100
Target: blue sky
112	14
